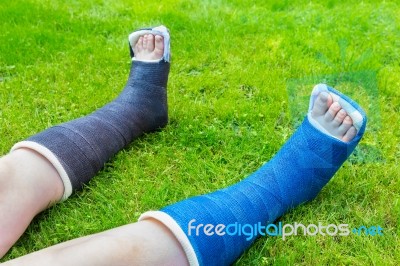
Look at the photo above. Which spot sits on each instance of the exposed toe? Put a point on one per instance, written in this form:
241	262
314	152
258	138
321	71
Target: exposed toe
321	104
332	111
345	126
139	45
150	43
350	134
159	45
340	116
145	42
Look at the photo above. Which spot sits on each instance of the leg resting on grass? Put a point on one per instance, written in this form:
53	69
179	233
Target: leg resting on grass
48	166
296	174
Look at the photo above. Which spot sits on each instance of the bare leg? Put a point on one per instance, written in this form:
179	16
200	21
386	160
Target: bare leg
28	185
144	243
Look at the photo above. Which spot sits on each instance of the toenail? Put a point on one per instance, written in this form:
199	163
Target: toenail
324	96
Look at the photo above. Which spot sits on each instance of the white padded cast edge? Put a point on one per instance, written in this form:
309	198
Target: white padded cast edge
170	223
52	159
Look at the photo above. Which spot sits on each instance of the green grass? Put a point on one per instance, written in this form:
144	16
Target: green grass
235	64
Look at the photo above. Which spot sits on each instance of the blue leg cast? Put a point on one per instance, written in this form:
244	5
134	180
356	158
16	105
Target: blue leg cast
296	174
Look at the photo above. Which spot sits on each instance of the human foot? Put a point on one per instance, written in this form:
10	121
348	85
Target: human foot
333	118
154	44
149	47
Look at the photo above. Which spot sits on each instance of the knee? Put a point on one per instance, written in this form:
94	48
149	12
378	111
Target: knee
7	170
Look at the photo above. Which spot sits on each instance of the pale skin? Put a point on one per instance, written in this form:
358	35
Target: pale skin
29	184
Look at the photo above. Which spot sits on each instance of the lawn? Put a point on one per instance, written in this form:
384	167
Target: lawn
240	75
